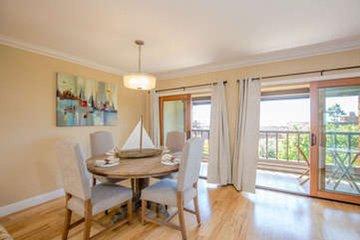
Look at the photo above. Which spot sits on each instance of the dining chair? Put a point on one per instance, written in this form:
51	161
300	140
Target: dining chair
177	193
175	141
83	198
102	142
307	169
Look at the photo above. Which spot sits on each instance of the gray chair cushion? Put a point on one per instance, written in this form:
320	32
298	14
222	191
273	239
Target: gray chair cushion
103	197
164	192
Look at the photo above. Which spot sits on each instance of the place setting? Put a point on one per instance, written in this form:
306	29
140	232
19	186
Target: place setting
111	159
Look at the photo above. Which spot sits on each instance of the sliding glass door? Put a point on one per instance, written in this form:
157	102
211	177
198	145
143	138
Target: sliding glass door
335	139
175	115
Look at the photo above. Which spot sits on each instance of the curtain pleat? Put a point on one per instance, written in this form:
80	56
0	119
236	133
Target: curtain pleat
245	156
219	166
154	118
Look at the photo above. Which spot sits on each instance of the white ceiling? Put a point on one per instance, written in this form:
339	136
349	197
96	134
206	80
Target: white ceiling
180	35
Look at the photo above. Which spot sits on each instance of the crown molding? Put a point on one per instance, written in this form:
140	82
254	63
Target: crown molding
275	56
12	42
270	57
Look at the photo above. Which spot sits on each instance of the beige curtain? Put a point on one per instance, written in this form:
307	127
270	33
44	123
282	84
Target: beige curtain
219	168
154	118
247	136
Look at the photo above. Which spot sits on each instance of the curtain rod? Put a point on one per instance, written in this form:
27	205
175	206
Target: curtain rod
185	87
308	72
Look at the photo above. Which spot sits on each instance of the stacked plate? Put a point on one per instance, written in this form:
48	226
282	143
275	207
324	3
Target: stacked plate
110	161
169	159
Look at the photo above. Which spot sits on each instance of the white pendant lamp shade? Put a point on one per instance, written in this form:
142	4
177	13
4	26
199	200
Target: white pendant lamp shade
139	80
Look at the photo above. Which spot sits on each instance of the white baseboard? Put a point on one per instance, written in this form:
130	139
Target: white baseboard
30	202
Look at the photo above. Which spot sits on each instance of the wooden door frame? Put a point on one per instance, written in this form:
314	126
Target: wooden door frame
186	98
314	150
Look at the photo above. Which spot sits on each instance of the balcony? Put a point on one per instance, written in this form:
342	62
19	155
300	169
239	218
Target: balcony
281	162
278	151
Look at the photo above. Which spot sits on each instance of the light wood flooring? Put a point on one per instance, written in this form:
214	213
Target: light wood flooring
226	214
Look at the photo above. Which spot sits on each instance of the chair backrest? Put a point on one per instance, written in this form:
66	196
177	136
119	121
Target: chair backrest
190	163
76	178
101	142
175	141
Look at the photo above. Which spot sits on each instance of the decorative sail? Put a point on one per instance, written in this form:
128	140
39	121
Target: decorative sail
133	142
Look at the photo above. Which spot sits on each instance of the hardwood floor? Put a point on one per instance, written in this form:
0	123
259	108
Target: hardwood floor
225	213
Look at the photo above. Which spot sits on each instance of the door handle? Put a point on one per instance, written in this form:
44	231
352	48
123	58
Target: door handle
313	139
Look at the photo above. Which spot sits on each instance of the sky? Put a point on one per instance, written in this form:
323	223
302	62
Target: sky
201	113
348	104
281	112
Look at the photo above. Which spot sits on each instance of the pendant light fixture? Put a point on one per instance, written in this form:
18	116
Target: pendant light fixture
139	80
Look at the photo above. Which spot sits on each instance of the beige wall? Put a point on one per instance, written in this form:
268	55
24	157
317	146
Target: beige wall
341	59
27	102
28	166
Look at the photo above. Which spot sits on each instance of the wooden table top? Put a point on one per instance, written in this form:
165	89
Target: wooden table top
132	168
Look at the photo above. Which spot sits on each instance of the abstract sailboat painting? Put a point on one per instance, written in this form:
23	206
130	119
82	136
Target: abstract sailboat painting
85	102
139	144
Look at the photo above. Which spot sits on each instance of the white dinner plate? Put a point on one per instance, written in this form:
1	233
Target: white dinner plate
168	163
103	164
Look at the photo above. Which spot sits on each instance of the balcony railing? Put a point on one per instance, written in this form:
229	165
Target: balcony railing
281	145
202	133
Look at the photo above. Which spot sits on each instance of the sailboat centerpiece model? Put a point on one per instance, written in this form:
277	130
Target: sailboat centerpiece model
139	144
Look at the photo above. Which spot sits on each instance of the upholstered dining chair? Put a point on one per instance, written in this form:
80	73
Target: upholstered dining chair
102	142
175	141
178	192
83	198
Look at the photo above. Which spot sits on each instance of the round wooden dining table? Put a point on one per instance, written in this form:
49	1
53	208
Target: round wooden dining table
139	170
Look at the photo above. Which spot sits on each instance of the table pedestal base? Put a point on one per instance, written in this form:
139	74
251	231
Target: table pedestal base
138	184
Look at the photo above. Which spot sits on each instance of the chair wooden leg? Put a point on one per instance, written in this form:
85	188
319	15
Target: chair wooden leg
180	206
67	224
143	211
129	211
88	216
197	209
67	218
157	209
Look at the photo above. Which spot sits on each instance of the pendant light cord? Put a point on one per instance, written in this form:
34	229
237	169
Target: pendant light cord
139	63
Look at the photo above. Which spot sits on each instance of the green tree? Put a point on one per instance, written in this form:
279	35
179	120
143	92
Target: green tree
335	112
